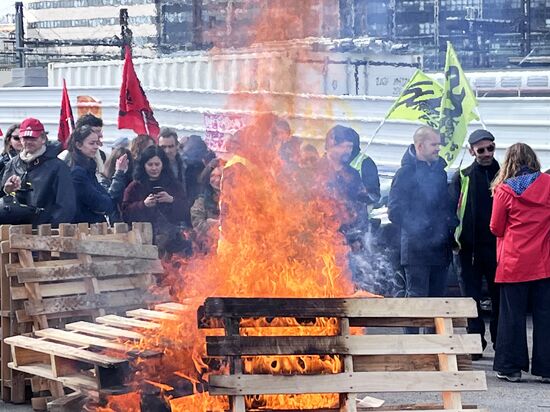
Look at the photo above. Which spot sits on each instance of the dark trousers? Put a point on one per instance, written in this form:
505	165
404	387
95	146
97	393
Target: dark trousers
511	354
471	281
425	281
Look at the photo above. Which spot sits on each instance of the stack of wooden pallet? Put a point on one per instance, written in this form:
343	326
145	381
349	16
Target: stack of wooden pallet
73	356
383	361
78	272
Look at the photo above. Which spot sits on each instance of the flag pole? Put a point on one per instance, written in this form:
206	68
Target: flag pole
375	134
480	118
145	122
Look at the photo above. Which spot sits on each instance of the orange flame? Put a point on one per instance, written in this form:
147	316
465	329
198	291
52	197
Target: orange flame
279	238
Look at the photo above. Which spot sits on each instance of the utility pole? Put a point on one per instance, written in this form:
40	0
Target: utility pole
19	35
436	32
126	34
526	27
197	23
392	9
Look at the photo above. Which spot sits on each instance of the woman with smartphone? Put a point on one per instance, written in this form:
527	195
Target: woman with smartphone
156	196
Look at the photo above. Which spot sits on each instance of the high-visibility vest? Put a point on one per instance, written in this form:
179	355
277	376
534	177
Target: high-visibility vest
462	200
236	159
357	163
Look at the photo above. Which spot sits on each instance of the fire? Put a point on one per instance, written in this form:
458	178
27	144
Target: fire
279	238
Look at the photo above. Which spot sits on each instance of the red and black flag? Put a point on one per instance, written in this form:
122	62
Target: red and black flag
135	113
66	119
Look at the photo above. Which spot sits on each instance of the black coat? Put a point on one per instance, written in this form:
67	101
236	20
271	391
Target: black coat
52	188
420	205
93	201
479	204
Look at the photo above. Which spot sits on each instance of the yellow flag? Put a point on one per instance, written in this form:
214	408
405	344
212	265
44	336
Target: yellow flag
419	101
457	107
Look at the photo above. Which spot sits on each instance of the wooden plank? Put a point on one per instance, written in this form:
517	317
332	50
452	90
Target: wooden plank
92	247
400	363
448	363
78	287
357	382
102	330
145	230
348	401
12	268
74	381
77	270
172	307
235	366
346	307
75	338
343	345
89	302
40	403
33	289
151	315
401	322
41	346
69	403
126	323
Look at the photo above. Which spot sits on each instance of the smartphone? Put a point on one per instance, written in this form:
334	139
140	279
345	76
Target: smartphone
157	190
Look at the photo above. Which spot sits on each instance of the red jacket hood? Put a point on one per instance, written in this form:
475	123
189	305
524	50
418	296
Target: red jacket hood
538	193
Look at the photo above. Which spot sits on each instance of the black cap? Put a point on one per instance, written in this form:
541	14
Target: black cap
480	135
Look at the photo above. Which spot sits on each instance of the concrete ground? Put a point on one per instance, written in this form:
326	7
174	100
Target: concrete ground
528	395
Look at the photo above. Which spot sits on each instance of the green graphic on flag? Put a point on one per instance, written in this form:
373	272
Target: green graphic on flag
457	108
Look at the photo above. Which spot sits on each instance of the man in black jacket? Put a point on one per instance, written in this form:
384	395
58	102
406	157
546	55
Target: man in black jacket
38	178
471	196
419	204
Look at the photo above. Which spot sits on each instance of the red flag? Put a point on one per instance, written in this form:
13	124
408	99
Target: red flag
1	134
134	110
66	119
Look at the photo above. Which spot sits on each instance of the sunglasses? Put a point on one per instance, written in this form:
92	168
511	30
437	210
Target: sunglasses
489	149
15	137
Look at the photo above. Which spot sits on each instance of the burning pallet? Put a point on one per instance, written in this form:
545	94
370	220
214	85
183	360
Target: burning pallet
77	272
75	356
371	363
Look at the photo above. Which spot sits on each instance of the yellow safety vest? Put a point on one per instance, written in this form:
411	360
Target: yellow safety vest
462	200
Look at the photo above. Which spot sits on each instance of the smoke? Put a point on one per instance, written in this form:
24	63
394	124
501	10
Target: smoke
376	266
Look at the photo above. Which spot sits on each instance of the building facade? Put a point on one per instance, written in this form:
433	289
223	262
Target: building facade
485	33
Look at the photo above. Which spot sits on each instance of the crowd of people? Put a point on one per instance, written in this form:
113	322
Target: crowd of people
494	219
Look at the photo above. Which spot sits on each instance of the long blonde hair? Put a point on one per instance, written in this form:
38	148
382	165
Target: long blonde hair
517	156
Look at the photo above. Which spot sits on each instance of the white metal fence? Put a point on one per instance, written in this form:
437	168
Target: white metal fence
510	119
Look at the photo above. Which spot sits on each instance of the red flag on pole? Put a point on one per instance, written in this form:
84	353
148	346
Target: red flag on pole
134	110
66	119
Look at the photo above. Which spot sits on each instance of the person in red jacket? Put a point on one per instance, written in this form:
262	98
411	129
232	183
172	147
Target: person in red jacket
521	223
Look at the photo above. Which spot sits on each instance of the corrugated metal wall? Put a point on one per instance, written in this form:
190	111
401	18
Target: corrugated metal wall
294	69
510	119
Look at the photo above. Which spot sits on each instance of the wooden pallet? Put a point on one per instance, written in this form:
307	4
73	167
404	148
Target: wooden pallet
73	356
371	363
77	272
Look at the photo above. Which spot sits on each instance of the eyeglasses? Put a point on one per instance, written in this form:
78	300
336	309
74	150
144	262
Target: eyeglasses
15	137
481	150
